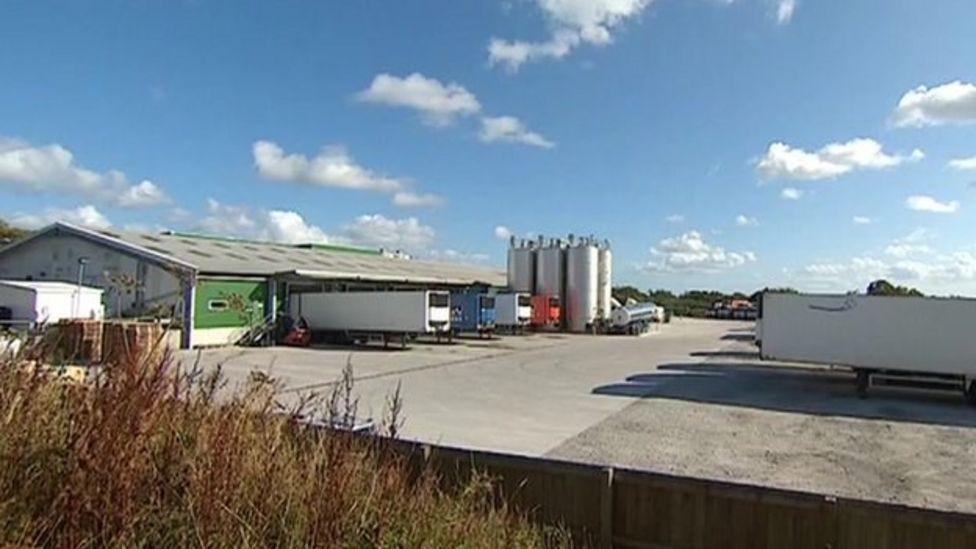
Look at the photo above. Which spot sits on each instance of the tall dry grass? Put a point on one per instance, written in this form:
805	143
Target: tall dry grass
150	453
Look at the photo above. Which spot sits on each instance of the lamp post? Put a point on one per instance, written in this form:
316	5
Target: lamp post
82	261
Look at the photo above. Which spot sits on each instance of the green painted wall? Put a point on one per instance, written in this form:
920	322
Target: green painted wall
212	292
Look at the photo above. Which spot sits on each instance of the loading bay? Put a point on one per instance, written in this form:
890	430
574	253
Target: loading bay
691	398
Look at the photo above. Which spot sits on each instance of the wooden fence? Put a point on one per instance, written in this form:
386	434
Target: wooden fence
612	507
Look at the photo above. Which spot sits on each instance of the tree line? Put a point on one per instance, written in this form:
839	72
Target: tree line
695	303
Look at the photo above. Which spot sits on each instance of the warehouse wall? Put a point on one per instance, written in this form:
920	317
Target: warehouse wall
216	321
55	257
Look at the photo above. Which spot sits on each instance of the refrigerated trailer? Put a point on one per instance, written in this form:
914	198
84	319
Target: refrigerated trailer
880	338
363	316
546	312
513	312
472	313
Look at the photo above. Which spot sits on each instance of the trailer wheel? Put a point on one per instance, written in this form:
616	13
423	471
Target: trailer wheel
971	392
863	382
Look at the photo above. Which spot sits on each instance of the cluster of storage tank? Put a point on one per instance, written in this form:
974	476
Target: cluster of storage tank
576	272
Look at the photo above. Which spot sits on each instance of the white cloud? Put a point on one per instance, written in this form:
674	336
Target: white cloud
409	199
862	220
858	270
52	169
911	244
455	256
224	219
438	104
333	167
503	233
791	193
742	220
953	272
905	249
290	227
963	164
511	130
690	253
911	260
407	234
574	22
675	218
783	161
513	54
923	203
784	11
85	216
951	103
145	193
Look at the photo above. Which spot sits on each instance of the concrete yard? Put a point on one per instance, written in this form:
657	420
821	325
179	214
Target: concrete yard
690	399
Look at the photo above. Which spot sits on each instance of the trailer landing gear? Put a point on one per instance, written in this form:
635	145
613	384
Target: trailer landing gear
863	382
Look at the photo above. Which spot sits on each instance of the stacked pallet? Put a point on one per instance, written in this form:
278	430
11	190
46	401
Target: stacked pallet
80	340
126	340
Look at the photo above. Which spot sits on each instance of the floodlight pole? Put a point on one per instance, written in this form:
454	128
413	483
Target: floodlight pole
82	261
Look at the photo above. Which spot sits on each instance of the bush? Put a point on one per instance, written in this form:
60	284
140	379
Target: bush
150	453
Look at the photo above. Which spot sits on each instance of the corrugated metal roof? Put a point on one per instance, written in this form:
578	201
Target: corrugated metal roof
228	256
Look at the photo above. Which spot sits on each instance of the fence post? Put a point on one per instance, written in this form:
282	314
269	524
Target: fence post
606	510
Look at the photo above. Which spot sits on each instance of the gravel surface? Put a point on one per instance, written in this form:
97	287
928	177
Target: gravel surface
733	418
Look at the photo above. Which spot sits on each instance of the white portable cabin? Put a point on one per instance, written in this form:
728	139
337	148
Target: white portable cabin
35	302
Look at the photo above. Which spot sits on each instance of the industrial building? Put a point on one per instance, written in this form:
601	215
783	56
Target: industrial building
216	290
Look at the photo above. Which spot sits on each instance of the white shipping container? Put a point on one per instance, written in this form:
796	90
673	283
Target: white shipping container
417	312
908	334
513	310
34	302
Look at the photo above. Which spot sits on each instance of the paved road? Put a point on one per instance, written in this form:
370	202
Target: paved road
532	400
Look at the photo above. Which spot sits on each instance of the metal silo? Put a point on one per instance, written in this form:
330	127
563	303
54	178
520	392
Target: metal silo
521	267
604	282
582	274
550	270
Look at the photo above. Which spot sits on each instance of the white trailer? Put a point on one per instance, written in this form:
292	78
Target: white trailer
357	316
41	302
513	311
878	337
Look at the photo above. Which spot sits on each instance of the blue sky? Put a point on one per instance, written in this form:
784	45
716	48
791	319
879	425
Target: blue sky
727	144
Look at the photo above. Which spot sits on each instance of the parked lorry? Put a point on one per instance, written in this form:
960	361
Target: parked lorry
882	339
472	313
513	311
546	312
365	316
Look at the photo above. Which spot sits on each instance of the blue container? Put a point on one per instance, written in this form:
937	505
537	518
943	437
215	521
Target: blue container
472	313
